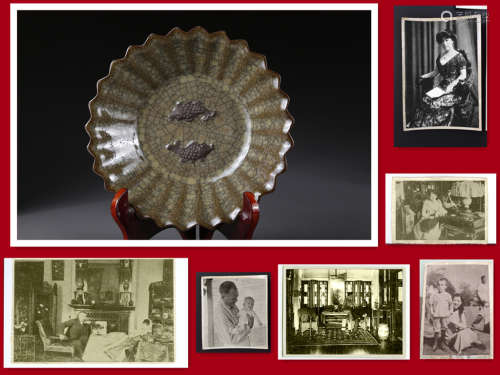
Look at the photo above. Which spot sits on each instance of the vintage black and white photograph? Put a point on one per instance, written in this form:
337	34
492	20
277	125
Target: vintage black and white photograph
233	312
344	312
456	309
441	66
436	210
96	311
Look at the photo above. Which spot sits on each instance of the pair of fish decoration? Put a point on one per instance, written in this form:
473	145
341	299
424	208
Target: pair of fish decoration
188	111
192	152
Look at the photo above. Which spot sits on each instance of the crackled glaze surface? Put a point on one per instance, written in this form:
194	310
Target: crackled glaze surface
187	123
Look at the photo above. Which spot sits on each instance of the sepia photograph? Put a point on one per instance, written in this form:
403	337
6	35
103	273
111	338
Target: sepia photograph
441	73
439	210
344	311
233	312
456	309
103	312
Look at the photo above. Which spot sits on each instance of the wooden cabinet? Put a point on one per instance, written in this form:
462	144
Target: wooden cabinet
358	293
161	297
314	293
391	302
24	348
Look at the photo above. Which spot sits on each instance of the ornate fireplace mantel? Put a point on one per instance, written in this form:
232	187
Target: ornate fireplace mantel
116	316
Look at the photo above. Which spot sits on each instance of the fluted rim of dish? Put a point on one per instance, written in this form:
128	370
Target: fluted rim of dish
96	165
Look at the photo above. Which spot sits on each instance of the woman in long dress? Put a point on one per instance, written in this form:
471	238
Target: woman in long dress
452	101
428	227
460	335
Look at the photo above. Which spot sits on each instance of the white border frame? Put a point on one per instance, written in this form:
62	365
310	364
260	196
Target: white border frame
406	313
180	327
15	242
422	287
491	211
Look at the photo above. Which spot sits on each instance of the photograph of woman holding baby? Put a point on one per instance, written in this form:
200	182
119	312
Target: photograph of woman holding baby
233	312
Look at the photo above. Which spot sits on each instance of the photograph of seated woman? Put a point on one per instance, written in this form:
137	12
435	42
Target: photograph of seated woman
455	322
428	227
433	211
441	78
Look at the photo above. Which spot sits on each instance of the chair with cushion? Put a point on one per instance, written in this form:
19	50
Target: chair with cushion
53	344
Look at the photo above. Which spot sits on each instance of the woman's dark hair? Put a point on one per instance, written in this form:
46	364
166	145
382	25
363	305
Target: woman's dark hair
446	34
461	307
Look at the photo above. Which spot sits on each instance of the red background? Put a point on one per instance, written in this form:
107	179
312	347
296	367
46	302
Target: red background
391	160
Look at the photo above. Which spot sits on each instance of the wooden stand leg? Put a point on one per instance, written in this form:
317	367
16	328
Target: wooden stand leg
135	228
206	234
190	234
244	225
132	227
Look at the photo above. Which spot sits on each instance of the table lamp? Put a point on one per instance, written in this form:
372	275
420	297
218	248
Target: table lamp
468	190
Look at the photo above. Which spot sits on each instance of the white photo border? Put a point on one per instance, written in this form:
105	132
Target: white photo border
406	313
372	242
492	200
180	326
422	278
479	71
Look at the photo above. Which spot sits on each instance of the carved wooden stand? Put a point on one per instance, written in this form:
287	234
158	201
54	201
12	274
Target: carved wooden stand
135	228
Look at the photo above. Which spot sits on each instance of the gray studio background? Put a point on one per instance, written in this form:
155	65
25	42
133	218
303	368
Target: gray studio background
324	61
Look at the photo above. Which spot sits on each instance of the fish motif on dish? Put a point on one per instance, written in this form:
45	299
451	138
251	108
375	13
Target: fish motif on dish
190	86
188	111
191	152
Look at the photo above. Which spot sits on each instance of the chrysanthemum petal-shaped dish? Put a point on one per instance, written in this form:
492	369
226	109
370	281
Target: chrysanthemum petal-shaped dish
188	122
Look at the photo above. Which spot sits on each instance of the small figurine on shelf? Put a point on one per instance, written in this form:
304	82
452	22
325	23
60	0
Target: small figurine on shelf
81	297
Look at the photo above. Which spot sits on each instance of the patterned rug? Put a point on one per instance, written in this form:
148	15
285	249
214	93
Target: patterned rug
336	337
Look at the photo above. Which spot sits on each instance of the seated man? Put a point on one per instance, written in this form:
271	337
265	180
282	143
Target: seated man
77	333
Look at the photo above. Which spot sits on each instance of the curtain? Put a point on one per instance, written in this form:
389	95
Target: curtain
422	50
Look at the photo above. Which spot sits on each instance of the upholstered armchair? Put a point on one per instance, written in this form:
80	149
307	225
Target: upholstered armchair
53	343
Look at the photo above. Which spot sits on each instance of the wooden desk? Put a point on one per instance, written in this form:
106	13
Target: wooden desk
463	226
335	319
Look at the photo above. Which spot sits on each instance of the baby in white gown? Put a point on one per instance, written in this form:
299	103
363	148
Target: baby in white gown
247	313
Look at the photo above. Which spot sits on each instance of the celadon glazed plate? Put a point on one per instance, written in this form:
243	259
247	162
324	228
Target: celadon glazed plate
188	122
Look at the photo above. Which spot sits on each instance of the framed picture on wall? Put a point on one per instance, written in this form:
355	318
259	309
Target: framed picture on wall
233	312
58	270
